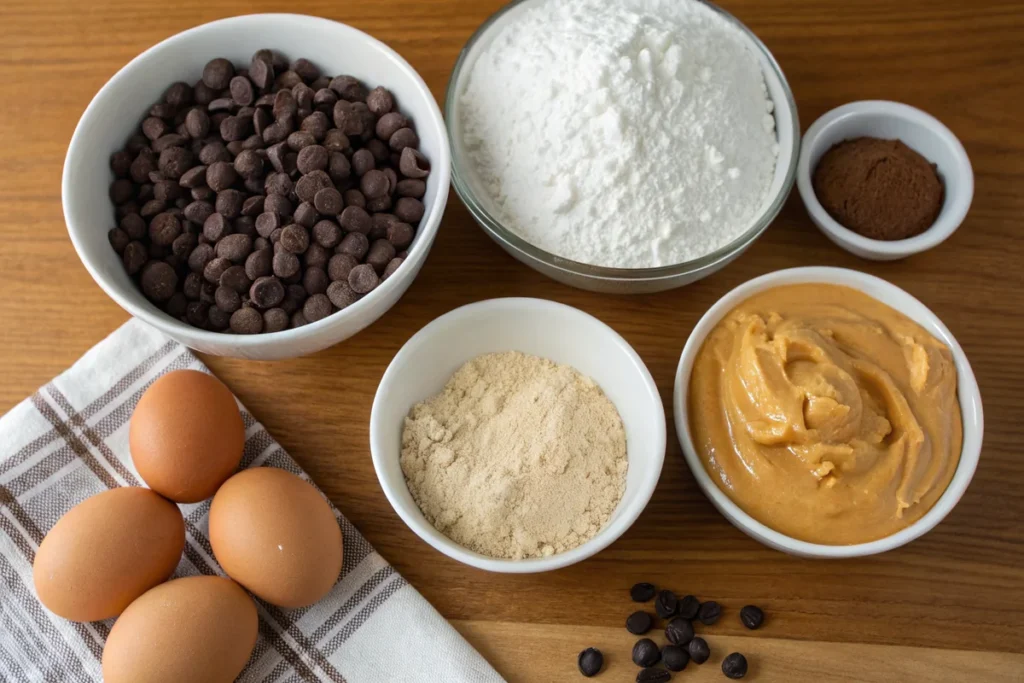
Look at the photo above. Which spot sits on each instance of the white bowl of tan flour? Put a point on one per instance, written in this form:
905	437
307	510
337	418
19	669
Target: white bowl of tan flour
602	368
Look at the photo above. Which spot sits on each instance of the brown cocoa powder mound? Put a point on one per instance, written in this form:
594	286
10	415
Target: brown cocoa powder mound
881	189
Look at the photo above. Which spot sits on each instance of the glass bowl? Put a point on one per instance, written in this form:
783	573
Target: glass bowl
603	278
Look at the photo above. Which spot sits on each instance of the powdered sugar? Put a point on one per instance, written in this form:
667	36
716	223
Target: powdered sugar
625	133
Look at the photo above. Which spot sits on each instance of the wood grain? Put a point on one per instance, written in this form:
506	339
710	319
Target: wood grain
948	607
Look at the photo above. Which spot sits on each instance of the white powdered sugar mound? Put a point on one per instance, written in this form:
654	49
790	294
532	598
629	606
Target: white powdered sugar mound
623	133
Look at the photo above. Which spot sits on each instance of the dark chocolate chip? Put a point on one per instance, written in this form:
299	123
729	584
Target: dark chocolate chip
639	623
699	650
646	652
752	616
590	662
246	321
674	657
679	631
709	612
734	666
666	604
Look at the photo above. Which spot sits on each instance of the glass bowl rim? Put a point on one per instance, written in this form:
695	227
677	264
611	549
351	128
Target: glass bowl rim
513	241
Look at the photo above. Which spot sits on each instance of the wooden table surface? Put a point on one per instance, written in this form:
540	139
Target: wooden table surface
949	607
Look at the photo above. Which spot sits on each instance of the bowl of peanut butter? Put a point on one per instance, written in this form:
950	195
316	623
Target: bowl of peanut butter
827	413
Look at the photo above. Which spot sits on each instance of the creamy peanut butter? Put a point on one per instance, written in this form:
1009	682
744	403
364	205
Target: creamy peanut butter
825	414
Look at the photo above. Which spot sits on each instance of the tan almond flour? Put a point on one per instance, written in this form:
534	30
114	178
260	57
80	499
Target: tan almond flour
517	457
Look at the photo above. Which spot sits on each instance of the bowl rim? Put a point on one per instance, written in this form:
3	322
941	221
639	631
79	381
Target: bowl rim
512	241
429	224
968	395
950	216
607	534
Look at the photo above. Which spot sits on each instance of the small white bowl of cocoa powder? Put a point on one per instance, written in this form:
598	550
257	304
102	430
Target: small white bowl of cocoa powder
541	451
881	182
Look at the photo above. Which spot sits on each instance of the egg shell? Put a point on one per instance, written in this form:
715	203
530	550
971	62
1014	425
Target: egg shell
199	629
276	535
106	551
186	435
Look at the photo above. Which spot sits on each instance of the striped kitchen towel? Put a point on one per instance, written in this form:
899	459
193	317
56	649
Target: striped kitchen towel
69	441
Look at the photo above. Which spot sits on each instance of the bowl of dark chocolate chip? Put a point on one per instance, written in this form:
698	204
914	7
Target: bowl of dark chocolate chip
263	186
884	180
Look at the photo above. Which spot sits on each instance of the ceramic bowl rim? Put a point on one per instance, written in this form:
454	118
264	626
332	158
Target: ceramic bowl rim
949	218
510	240
967	392
609	533
426	232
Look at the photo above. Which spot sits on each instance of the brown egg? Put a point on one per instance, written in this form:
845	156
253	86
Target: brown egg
199	629
276	535
186	435
107	551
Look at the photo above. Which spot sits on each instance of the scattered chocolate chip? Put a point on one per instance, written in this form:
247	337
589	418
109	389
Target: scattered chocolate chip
639	623
652	675
674	657
666	604
646	652
688	607
734	666
699	650
752	617
679	631
590	662
709	612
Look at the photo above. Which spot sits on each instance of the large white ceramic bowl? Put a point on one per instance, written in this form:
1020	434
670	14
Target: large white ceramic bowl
543	328
918	130
890	294
119	106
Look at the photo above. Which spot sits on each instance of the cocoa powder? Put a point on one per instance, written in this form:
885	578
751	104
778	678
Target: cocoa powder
881	189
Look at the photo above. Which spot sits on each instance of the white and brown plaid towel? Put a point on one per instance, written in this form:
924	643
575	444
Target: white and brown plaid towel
69	441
